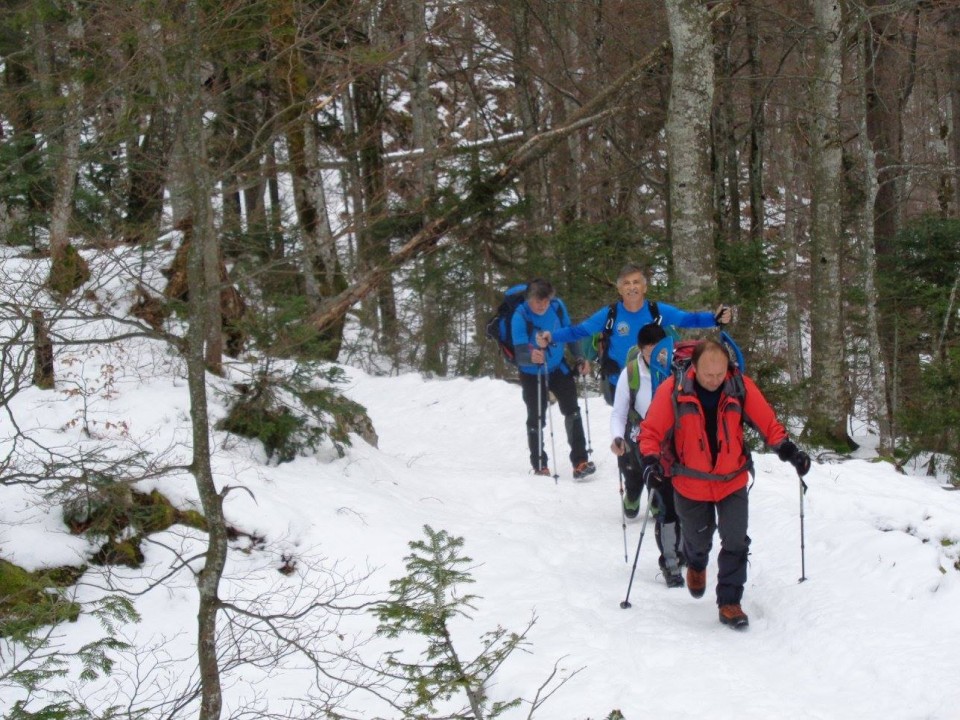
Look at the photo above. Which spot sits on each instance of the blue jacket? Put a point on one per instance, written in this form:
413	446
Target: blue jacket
524	326
628	324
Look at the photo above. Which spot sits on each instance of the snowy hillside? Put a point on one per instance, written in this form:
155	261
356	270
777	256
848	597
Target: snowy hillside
872	633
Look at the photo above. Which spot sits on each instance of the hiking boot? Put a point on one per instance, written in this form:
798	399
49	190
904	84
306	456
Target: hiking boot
696	582
734	616
582	469
673	578
545	471
631	509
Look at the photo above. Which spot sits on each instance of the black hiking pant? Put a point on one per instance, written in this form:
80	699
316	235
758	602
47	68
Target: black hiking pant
664	514
564	388
699	519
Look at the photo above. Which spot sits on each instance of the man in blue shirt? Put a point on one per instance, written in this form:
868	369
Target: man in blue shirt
629	314
545	369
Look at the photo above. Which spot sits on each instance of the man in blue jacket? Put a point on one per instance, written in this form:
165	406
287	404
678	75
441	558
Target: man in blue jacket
620	322
545	369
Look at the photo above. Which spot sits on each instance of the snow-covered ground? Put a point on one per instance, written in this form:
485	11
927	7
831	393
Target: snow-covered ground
873	631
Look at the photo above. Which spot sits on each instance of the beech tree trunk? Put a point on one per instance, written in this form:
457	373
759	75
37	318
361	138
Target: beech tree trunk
68	270
827	419
688	148
790	239
876	392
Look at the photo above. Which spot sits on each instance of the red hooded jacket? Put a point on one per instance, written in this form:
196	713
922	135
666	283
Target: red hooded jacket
678	436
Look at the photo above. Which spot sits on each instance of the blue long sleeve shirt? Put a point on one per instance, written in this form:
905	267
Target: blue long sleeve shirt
524	327
628	324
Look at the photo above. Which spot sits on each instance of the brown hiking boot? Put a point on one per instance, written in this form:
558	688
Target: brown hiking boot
542	471
734	616
696	581
582	469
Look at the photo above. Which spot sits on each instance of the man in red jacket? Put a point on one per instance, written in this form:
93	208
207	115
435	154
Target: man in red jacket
696	435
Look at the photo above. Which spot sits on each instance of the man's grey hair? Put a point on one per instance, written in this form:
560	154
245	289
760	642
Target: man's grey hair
539	289
630	269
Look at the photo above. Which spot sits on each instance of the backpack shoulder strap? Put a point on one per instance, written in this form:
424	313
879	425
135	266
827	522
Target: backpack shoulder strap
655	312
611	319
561	310
633	381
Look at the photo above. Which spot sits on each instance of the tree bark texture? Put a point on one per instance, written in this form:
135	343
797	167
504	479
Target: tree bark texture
43	372
827	421
688	147
877	393
198	189
889	87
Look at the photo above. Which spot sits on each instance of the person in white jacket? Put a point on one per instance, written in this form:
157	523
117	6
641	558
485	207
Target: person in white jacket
634	391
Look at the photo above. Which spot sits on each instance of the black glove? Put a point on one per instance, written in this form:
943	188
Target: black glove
652	473
788	452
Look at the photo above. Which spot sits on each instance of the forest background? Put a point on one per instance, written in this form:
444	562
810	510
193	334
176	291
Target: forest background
399	163
358	182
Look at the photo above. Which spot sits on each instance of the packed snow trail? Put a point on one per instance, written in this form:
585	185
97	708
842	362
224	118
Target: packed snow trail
870	634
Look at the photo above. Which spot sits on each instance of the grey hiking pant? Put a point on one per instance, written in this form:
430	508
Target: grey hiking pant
699	520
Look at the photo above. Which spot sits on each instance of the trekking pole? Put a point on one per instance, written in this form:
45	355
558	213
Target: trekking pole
539	418
553	443
586	410
803	562
646	516
623	513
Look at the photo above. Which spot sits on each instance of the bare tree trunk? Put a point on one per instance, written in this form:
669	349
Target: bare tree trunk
435	314
208	579
212	263
889	85
43	376
877	383
791	245
375	245
952	24
533	179
68	270
757	125
726	164
827	420
565	165
688	147
196	183
753	283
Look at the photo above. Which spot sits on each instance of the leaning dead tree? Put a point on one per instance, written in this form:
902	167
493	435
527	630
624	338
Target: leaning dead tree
483	194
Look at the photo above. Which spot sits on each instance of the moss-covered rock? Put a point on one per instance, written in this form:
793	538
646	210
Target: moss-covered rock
28	600
120	552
